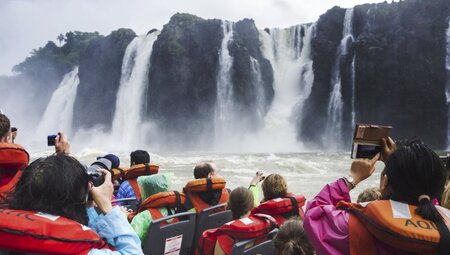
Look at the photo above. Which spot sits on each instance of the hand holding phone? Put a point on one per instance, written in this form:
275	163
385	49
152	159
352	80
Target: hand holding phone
62	145
368	141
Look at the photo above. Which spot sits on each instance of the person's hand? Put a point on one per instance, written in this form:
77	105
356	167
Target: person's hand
13	136
389	147
62	145
125	210
362	169
102	194
257	178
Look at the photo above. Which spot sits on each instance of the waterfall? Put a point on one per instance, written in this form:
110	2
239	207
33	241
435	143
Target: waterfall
352	75
447	91
333	132
258	88
224	112
132	91
289	52
59	112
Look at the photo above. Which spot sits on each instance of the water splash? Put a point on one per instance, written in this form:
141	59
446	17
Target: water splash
289	52
132	91
258	88
333	132
59	112
224	112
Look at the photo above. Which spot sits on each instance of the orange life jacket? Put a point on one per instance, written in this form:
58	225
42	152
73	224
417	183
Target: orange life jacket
193	188
282	208
247	228
131	174
28	231
393	223
13	157
169	199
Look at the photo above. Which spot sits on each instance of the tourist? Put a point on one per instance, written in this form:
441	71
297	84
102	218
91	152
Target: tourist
14	157
277	202
412	177
291	239
58	188
129	188
243	227
149	210
368	195
208	189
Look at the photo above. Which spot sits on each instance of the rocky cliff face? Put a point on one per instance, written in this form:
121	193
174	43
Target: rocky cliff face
324	47
182	91
246	45
393	72
400	78
99	73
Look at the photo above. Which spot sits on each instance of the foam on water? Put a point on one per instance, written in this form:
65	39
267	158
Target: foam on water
304	172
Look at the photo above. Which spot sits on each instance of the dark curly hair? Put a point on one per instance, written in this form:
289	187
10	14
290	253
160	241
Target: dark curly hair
413	169
56	185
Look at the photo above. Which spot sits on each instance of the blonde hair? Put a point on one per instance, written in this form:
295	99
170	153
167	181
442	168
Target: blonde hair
368	195
274	186
445	200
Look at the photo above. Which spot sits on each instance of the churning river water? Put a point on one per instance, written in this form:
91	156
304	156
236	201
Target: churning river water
306	173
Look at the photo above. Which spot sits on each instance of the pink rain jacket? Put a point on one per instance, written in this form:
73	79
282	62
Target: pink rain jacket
327	226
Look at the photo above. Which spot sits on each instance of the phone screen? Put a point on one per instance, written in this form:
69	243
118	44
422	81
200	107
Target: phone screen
51	140
367	151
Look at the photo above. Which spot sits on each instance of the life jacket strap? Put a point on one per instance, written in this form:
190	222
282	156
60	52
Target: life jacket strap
135	186
147	169
295	208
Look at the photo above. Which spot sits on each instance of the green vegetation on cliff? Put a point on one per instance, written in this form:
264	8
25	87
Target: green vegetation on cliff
54	59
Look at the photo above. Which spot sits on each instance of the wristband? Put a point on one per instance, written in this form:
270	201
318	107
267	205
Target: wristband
349	179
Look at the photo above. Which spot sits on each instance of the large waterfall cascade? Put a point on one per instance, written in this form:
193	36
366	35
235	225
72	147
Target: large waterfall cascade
224	111
133	86
258	88
289	52
333	130
447	92
59	112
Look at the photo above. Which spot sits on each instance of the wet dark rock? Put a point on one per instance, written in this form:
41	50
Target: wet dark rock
99	73
400	71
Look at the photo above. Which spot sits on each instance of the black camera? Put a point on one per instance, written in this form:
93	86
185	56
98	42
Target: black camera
444	160
95	176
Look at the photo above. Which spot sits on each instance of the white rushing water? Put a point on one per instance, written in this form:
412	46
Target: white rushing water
224	112
258	88
290	56
447	91
132	91
304	172
59	112
333	132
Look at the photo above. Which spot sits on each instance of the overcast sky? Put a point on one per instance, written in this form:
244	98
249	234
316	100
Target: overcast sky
29	24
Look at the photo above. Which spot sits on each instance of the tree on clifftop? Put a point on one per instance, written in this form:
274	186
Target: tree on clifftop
60	38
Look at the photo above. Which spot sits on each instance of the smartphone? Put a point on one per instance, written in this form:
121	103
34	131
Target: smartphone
367	150
367	140
51	140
